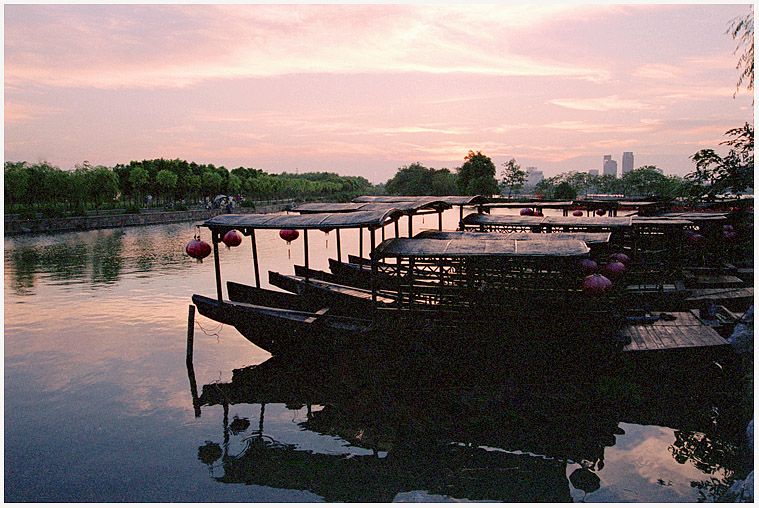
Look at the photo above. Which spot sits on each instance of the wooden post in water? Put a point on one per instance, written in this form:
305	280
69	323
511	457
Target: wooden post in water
440	220
190	369
410	225
339	256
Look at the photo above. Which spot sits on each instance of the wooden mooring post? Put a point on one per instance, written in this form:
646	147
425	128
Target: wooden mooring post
190	368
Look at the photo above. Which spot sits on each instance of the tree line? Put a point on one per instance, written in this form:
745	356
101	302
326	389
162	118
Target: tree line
162	182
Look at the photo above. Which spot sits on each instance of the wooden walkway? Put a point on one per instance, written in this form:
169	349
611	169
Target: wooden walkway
685	331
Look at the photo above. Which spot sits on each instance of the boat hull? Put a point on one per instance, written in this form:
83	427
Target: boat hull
282	331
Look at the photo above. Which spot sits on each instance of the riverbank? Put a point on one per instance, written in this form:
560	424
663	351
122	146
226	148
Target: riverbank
17	226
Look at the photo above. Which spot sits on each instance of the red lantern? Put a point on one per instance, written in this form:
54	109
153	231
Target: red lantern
729	235
695	239
233	238
197	248
596	284
526	211
614	270
577	213
600	212
537	213
288	235
589	266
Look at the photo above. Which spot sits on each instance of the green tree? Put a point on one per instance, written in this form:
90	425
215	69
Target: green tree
139	179
167	181
477	175
733	173
512	176
564	190
417	180
742	28
16	183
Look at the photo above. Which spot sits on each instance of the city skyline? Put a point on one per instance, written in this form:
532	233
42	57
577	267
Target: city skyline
365	89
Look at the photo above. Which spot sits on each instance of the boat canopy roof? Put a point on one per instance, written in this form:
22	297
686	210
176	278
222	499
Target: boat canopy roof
450	200
531	204
481	219
588	238
412	206
371	219
469	247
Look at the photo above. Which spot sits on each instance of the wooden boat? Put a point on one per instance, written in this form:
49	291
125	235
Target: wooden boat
286	323
438	288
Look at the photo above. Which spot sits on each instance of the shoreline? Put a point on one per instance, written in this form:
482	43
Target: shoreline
14	227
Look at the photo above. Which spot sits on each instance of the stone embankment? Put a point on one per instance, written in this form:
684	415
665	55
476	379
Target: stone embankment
17	226
742	340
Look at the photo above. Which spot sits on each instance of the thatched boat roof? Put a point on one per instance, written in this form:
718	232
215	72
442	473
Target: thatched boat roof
371	219
451	200
481	219
469	247
588	238
411	206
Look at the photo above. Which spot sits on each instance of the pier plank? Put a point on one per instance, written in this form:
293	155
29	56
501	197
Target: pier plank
686	331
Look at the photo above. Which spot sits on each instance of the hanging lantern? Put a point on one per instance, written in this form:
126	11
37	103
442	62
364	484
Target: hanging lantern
288	235
614	270
596	284
233	238
577	213
526	211
197	248
537	213
601	212
589	266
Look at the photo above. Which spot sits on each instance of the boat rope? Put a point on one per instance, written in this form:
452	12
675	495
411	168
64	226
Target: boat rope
212	332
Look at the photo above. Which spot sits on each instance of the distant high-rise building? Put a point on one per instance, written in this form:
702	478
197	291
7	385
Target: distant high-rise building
593	172
627	162
610	166
533	176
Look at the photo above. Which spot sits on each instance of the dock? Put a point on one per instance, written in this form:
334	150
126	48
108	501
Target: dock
678	331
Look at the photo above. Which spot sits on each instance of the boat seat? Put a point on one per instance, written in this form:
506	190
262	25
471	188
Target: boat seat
318	314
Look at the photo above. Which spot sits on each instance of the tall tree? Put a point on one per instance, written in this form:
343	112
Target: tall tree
477	175
742	28
733	173
512	176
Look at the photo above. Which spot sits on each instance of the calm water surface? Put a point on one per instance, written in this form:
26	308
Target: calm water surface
98	405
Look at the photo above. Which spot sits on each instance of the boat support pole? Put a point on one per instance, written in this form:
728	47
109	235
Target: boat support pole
339	255
255	257
305	250
374	275
410	225
215	239
439	220
361	242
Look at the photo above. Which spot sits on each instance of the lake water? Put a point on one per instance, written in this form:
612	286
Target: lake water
99	407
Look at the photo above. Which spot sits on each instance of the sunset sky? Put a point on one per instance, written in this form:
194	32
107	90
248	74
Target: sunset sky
364	89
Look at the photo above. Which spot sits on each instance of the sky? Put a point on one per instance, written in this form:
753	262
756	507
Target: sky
364	89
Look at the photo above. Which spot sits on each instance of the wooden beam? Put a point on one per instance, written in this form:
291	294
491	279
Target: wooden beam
217	266
255	257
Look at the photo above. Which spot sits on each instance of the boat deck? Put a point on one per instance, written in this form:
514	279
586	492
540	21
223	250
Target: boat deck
685	331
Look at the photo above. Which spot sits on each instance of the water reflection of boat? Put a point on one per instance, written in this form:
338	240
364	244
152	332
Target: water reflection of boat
458	431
